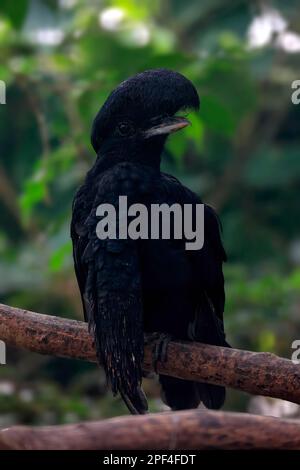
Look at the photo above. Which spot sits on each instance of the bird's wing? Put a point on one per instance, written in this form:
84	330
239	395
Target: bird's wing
206	284
209	279
109	279
207	262
208	326
79	236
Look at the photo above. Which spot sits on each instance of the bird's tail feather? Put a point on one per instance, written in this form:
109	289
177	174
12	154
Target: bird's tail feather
212	396
209	329
181	394
120	347
136	403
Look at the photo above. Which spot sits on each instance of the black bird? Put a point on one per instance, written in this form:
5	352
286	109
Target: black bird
127	286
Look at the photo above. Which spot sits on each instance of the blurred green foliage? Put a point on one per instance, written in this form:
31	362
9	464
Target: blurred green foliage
60	59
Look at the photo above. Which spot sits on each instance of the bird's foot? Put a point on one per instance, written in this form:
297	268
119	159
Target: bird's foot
160	348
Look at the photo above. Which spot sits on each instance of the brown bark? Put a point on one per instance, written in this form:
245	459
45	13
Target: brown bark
256	373
178	430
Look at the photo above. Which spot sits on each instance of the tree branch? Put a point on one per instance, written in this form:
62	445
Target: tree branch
256	373
194	429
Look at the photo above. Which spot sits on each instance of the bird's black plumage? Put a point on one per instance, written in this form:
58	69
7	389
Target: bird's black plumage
129	287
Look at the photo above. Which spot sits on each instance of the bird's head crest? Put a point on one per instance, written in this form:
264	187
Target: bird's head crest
143	101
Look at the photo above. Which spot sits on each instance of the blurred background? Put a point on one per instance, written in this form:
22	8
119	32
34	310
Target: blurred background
59	60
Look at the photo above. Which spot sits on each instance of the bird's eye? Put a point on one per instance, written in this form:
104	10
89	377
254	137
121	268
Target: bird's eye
125	129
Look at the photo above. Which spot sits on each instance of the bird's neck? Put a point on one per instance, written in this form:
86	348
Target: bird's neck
107	160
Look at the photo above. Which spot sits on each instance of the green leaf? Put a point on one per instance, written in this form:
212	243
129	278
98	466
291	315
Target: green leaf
266	341
59	256
135	8
35	191
293	281
177	146
216	116
196	130
15	11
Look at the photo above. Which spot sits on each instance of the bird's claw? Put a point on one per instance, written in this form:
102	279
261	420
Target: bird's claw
160	349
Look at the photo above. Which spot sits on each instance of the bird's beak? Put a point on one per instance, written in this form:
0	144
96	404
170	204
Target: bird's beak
168	126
